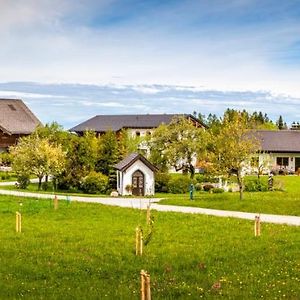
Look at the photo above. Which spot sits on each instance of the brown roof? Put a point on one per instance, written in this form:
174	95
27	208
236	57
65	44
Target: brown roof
279	141
16	118
131	159
103	123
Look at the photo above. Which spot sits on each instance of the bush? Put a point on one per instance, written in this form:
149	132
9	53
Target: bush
217	190
45	186
95	183
208	187
180	184
5	159
23	181
198	186
206	178
161	182
255	185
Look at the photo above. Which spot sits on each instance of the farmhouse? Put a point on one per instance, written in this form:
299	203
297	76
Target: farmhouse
16	120
137	125
280	150
135	176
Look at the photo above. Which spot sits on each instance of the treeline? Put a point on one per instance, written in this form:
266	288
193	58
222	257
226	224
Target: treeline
256	120
74	162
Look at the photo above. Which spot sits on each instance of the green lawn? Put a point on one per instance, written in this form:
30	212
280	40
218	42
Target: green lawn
86	251
285	202
33	187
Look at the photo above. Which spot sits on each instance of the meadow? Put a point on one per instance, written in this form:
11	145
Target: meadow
87	251
284	202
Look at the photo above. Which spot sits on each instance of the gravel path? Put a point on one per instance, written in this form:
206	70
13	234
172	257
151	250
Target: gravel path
142	203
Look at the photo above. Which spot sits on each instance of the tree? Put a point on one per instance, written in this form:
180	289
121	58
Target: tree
37	156
176	145
108	156
280	123
81	158
232	148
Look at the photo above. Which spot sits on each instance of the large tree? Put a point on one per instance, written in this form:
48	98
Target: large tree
37	156
176	145
232	148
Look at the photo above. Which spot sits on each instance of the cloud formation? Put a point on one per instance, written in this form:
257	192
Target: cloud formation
70	104
222	45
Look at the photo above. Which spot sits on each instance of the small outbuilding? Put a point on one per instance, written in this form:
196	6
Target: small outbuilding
135	176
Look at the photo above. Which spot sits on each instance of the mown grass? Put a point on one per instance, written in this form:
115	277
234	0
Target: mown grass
86	251
286	202
33	187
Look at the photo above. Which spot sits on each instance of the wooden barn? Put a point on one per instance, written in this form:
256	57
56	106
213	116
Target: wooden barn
16	120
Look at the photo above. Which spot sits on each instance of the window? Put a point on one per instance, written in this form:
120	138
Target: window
148	132
282	161
137	133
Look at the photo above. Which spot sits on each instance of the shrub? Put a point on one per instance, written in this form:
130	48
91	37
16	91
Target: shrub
255	185
23	181
128	188
95	183
198	186
208	187
161	182
180	184
5	159
206	178
45	186
217	190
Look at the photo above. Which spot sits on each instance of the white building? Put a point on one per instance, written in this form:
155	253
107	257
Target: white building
135	176
280	150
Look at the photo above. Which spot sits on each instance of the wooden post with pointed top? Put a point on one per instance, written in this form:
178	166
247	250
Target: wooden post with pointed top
145	286
55	202
138	241
18	222
257	226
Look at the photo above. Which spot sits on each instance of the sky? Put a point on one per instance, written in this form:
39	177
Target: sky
72	59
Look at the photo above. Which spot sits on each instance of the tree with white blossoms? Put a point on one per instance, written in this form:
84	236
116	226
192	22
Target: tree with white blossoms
37	156
177	145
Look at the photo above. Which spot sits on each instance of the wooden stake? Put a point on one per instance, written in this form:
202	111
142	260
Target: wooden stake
145	286
55	202
142	285
18	222
257	226
138	241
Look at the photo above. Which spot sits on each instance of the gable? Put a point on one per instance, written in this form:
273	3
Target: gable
16	118
128	161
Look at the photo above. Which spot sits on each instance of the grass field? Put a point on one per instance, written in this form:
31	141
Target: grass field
285	202
86	251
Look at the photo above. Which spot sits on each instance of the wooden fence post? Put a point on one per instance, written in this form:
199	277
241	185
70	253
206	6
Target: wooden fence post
55	202
138	241
257	226
18	222
145	286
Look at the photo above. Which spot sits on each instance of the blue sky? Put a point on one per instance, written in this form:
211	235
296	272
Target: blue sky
70	60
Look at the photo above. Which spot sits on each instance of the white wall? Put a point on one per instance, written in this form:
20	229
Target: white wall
270	160
126	179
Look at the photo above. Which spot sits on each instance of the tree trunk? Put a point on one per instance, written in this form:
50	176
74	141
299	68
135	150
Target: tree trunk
192	171
40	182
240	183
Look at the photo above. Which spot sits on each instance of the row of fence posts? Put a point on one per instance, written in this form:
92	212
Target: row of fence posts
145	277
